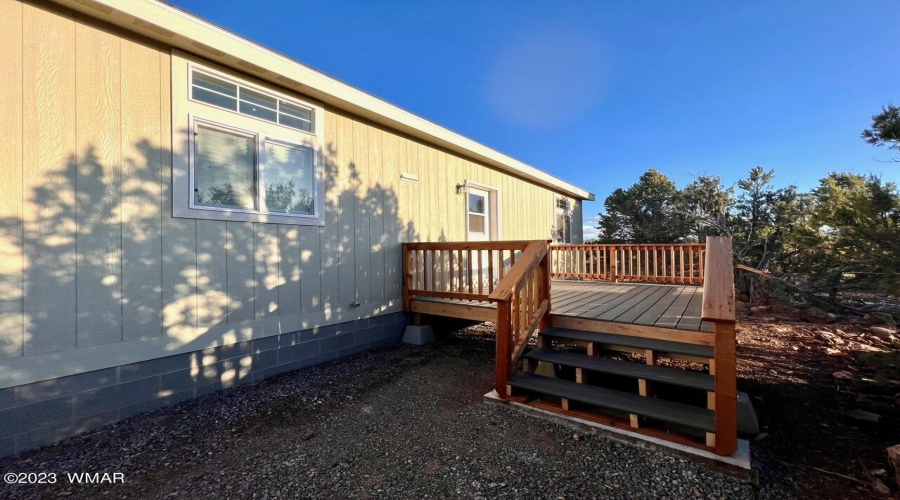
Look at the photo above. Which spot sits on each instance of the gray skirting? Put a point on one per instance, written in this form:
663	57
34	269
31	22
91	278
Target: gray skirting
46	412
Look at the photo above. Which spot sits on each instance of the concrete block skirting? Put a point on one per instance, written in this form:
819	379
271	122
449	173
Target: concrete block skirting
42	413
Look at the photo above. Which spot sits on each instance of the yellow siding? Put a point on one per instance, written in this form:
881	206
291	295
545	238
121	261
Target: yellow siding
90	255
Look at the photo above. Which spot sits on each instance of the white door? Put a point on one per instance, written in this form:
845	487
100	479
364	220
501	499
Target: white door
478	212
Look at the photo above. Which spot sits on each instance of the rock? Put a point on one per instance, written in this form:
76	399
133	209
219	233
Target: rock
815	315
576	437
882	333
880	487
893	453
863	416
842	375
880	318
761	436
760	309
834	353
830	337
782	309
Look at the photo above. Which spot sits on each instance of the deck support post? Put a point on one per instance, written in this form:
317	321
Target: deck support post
502	355
726	389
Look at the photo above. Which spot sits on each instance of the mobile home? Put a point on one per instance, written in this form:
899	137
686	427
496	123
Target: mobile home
184	210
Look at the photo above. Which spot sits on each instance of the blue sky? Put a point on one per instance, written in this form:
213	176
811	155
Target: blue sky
598	92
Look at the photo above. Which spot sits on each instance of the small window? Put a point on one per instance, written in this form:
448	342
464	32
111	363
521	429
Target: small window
224	168
563	222
477	215
221	93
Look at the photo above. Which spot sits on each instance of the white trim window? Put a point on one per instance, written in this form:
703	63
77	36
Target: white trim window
562	220
239	170
251	154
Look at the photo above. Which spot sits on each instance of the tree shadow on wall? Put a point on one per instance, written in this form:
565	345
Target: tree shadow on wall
96	258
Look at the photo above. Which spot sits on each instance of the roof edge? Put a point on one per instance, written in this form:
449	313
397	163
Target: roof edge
175	27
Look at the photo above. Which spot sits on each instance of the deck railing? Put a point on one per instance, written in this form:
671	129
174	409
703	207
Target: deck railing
719	308
523	308
660	263
456	270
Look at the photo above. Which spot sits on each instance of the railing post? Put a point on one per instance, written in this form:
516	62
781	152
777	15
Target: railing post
502	355
719	308
544	290
407	276
726	388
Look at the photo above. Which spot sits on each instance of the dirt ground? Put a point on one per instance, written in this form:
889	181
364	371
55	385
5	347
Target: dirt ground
408	422
788	369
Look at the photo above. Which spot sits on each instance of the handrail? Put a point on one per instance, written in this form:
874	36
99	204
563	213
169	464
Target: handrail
653	262
523	307
719	308
529	259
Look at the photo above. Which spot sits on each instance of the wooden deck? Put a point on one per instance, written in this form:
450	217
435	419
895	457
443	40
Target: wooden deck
664	306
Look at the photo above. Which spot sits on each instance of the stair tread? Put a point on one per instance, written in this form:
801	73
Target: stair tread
702	351
684	378
668	411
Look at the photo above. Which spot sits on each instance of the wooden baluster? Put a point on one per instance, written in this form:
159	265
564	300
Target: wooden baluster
691	262
501	262
613	262
471	268
490	256
655	262
637	261
480	273
462	271
436	262
646	263
672	265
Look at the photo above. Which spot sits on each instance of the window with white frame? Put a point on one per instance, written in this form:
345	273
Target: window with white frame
251	152
562	222
235	169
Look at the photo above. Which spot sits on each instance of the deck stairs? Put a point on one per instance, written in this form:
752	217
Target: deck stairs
618	381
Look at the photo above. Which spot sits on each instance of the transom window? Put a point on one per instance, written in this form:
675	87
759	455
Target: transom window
210	89
240	170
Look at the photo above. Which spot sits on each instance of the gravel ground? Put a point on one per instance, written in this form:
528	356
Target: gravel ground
396	422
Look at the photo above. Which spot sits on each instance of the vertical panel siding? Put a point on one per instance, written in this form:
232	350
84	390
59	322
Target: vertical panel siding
49	166
142	153
91	254
98	207
11	255
358	192
240	267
